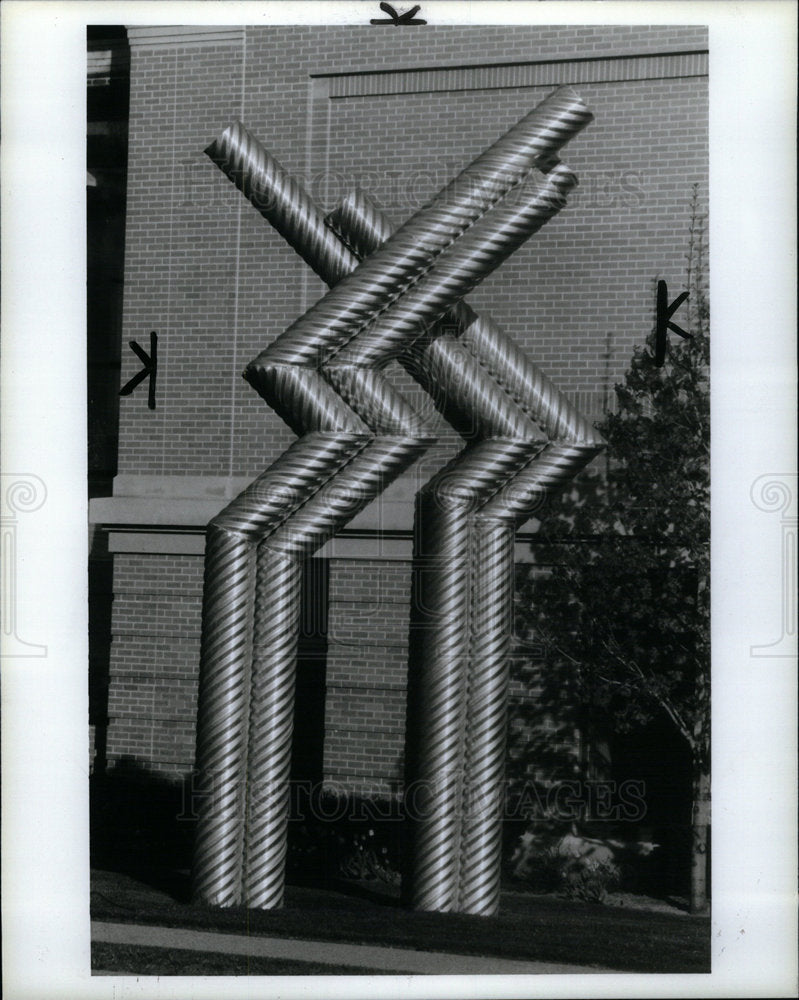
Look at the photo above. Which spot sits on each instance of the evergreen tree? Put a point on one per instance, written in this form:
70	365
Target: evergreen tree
625	612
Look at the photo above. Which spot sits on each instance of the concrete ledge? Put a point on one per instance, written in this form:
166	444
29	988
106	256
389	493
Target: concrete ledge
192	543
168	515
179	35
342	547
192	501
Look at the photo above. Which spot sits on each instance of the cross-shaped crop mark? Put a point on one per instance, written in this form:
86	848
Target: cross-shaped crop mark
399	18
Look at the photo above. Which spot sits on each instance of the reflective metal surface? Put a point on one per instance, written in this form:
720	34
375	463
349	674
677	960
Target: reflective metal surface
358	434
459	268
271	717
387	274
485	385
492	547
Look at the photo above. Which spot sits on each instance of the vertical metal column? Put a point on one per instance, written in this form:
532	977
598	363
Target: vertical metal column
226	646
437	712
222	716
486	717
277	613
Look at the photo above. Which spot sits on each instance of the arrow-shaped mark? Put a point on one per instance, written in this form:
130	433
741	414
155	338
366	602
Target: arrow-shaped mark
663	314
150	362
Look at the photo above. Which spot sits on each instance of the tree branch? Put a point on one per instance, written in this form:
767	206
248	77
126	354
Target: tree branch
648	691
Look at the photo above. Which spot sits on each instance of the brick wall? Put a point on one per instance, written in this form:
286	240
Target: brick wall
216	282
204	270
152	701
366	668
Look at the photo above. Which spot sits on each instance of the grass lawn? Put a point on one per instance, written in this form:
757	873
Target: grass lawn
144	961
537	928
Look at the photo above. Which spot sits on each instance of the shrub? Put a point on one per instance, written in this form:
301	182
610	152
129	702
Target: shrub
363	857
590	882
577	866
349	837
542	870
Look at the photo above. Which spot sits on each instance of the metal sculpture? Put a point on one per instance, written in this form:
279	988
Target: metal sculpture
323	377
467	520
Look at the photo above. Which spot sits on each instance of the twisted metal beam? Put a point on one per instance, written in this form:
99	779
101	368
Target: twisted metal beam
498	371
226	646
460	268
438	664
271	720
318	485
363	226
281	200
436	708
222	710
293	486
399	439
437	704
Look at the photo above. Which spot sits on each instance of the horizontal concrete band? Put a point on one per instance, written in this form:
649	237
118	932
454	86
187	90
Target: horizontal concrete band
343	546
367	957
192	543
179	35
192	501
168	515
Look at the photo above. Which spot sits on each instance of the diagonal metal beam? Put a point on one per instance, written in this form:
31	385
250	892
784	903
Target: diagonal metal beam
386	275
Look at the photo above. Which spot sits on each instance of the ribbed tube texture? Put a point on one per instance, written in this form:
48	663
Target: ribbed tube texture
358	434
281	200
277	609
459	269
437	704
446	354
492	565
483	383
290	510
386	275
222	712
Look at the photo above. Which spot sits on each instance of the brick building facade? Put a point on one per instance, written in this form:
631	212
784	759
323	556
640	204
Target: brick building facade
397	112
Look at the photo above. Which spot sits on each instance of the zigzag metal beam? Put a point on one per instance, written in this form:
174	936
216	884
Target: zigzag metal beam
226	648
246	693
247	681
231	867
458	837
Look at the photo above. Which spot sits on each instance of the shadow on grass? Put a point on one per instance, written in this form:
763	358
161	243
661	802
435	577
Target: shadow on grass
142	825
141	856
527	927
